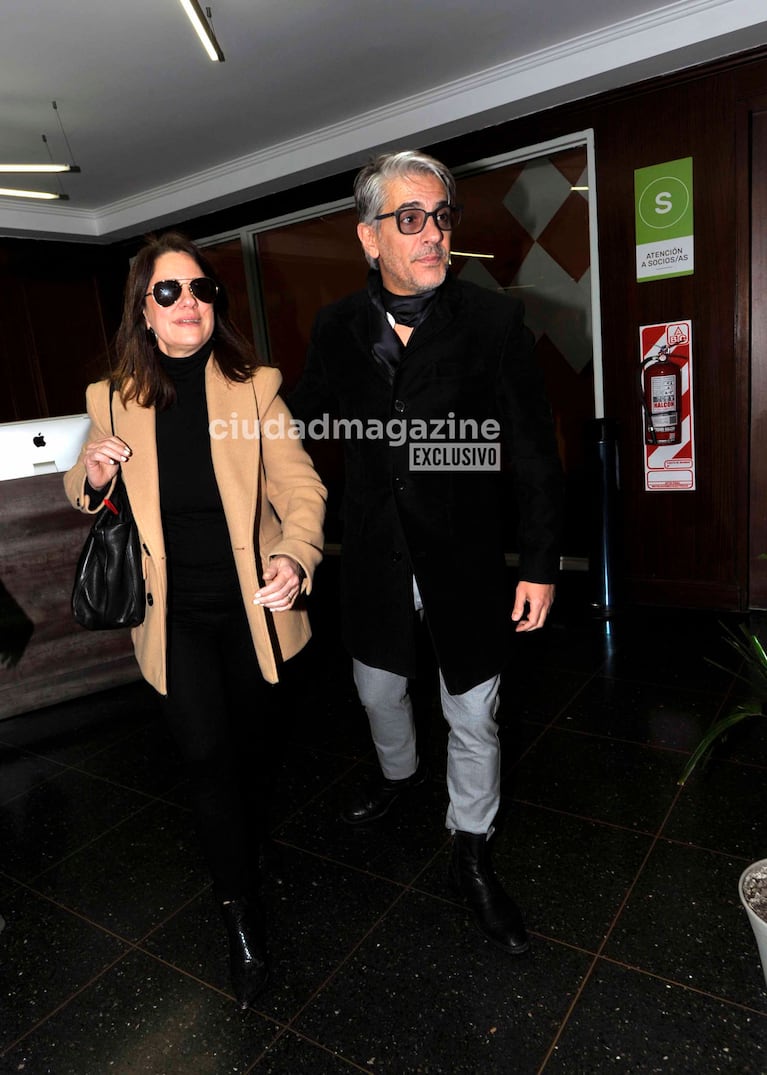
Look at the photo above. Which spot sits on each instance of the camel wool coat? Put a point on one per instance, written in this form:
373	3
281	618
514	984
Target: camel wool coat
273	502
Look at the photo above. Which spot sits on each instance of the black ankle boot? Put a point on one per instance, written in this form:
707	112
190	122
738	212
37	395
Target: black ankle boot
247	949
380	796
495	913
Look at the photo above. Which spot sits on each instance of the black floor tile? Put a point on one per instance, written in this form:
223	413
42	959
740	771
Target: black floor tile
73	730
627	881
143	1018
639	1025
672	647
135	876
722	807
528	695
516	739
397	847
620	783
47	954
22	772
144	760
642	713
684	921
292	1054
301	777
315	918
567	875
444	999
57	818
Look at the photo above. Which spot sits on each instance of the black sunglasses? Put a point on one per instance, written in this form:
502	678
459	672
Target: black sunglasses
412	221
166	292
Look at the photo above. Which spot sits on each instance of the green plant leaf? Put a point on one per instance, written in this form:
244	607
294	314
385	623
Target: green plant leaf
753	671
715	732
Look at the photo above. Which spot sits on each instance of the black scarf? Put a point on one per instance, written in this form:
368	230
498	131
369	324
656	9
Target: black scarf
386	309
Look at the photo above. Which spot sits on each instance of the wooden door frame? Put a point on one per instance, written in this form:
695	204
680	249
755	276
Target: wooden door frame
750	343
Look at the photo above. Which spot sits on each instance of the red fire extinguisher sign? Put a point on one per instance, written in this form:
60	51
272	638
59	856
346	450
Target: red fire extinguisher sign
665	375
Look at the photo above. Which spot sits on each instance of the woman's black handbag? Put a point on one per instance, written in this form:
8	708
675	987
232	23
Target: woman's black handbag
109	582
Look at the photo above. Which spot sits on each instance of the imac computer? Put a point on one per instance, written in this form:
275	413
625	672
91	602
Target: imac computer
41	445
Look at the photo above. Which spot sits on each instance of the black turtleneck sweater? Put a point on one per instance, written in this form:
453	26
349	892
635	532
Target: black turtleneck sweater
199	551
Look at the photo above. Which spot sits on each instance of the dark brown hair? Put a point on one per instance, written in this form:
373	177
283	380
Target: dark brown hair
139	374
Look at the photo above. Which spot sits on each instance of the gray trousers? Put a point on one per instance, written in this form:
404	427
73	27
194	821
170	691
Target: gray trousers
473	751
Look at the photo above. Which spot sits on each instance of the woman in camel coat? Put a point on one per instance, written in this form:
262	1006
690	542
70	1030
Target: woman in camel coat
229	511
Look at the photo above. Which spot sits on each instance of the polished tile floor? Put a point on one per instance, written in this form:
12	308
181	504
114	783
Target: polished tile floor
112	961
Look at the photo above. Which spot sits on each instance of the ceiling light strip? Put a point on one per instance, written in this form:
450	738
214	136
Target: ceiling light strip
17	169
8	192
203	29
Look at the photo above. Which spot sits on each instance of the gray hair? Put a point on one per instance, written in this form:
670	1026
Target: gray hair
370	184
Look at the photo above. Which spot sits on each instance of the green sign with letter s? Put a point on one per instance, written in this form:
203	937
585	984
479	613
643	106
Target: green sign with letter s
664	220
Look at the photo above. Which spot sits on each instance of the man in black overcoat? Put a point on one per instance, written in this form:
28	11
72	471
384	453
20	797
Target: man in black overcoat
425	376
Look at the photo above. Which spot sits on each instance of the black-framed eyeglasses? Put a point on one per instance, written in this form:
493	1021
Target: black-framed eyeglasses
166	292
412	221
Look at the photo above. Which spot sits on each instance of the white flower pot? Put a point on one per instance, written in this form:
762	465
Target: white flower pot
752	889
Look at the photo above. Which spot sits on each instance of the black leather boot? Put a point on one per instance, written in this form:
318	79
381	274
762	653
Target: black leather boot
495	913
247	949
380	796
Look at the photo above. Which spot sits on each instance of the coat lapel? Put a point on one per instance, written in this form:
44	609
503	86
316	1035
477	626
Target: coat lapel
235	452
136	426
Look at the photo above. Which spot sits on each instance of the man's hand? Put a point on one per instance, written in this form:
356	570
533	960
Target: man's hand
539	597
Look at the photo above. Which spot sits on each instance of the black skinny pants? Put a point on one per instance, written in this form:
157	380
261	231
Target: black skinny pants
221	714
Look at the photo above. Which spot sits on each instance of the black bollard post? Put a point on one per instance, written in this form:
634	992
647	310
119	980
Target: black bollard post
603	471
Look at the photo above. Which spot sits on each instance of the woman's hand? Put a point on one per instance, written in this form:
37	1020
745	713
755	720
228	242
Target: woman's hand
102	460
283	584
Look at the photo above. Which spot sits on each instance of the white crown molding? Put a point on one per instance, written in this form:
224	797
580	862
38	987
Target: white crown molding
680	34
33	218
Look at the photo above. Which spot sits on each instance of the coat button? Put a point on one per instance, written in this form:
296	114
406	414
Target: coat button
399	484
396	556
149	599
399	406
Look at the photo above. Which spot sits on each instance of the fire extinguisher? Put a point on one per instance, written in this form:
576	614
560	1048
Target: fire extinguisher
661	390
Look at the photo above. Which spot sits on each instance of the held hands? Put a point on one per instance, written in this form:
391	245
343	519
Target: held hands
538	597
282	580
102	460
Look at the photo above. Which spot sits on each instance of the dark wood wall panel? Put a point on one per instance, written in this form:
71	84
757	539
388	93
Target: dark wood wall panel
40	540
681	548
226	258
59	310
680	540
758	486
